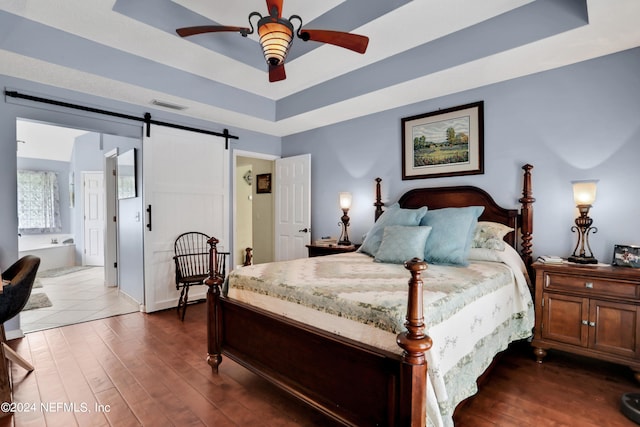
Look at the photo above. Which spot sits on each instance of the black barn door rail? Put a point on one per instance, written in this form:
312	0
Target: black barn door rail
146	119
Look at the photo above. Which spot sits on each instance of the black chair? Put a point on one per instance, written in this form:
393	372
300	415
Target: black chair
14	297
192	265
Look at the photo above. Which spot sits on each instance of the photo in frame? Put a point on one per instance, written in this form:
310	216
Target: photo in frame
263	183
444	143
626	256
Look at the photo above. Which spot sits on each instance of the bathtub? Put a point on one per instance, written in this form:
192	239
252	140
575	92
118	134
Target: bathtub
51	254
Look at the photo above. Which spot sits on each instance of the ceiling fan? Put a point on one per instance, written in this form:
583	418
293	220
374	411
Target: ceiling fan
276	36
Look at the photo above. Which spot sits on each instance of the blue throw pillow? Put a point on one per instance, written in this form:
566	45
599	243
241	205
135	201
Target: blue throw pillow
401	243
394	215
451	234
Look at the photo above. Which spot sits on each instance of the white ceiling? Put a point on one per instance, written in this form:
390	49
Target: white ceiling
126	50
43	141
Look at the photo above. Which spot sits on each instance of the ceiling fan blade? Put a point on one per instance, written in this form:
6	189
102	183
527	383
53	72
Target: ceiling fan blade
191	31
276	73
350	41
277	4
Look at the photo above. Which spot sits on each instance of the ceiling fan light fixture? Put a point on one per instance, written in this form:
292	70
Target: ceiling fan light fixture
276	36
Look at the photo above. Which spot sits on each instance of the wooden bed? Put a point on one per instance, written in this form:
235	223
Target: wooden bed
350	382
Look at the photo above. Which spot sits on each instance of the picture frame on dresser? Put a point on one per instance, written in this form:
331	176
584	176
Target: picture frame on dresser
444	143
626	256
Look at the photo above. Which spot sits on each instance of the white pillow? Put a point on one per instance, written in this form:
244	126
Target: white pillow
490	235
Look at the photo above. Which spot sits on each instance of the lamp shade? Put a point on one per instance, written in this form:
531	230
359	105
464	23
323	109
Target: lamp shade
584	192
275	38
345	201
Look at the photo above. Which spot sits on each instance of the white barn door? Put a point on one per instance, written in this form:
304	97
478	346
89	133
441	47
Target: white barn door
186	188
293	207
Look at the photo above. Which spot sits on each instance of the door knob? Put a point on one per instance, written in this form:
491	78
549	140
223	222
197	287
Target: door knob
304	230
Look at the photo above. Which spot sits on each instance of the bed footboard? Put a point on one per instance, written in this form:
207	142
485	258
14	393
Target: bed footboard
350	382
414	342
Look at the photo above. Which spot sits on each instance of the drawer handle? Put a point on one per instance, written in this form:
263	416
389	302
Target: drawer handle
592	323
584	322
588	285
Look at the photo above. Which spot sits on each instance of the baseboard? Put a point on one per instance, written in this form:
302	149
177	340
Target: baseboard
14	334
130	298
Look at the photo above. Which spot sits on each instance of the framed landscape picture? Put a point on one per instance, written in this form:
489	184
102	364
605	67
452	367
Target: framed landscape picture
444	143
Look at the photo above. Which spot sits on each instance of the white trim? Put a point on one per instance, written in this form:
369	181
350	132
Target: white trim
14	334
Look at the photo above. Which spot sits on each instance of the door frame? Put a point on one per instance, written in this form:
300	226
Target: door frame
234	209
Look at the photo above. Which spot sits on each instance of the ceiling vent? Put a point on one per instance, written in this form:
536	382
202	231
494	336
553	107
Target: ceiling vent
165	104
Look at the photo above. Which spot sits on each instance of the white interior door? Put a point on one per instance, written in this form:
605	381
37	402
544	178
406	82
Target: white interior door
293	207
186	188
94	211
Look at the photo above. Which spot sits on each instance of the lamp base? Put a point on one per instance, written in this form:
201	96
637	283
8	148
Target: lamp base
344	243
582	259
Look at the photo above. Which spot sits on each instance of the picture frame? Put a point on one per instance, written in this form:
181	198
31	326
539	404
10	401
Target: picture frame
126	172
263	183
626	256
444	143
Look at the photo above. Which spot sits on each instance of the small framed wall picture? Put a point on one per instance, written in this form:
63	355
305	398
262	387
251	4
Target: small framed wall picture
263	183
626	256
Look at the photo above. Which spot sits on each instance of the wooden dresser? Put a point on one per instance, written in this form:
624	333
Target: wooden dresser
588	310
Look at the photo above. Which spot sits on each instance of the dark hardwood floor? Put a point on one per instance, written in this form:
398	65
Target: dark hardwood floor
150	370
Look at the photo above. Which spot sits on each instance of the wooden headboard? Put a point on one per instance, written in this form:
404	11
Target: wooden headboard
462	196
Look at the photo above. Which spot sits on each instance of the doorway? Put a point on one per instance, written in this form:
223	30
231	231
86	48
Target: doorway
253	212
71	286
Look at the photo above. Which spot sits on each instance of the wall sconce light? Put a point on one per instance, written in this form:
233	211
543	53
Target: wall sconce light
584	194
345	205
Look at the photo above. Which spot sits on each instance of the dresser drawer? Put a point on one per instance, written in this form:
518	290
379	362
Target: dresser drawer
591	285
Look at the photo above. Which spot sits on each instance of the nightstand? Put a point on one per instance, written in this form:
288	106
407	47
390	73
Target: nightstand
330	250
589	310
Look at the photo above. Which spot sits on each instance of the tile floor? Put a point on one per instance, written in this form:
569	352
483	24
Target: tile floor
76	297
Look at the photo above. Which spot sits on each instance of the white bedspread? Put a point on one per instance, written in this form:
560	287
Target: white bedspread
471	313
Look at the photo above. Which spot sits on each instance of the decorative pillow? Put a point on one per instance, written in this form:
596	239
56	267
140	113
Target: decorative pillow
452	233
395	215
490	235
401	243
484	254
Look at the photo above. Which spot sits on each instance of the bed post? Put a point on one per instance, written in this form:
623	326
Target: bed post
414	342
378	204
214	317
526	220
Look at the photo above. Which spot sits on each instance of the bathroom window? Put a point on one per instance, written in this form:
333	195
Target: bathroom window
38	202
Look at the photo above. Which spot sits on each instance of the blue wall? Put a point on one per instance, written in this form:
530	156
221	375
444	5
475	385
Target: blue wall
576	122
